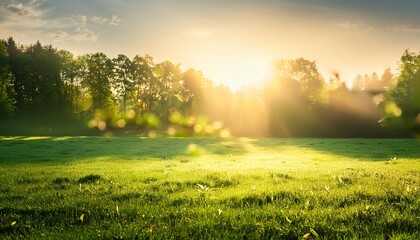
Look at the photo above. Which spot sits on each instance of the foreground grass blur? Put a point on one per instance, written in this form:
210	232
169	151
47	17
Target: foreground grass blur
209	188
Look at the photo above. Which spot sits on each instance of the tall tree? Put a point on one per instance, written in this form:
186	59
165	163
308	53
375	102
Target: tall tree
21	68
373	83
123	83
75	95
358	83
97	74
295	91
194	90
169	88
47	93
305	73
388	79
402	103
7	100
145	84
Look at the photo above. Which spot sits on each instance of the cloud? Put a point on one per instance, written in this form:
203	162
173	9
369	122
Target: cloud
77	29
80	29
17	11
113	21
348	25
99	19
407	28
356	25
359	28
28	17
199	32
21	18
59	35
17	8
80	34
84	34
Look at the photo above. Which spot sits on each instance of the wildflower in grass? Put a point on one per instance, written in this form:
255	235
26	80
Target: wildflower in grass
203	188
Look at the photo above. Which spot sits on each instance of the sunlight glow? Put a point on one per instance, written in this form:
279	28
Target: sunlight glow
36	138
392	108
61	138
249	73
121	123
237	72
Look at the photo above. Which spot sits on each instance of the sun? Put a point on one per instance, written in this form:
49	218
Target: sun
234	66
237	73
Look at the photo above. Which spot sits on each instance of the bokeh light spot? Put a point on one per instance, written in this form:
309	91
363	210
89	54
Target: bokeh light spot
224	133
391	108
93	123
198	128
171	131
152	134
121	123
101	125
131	114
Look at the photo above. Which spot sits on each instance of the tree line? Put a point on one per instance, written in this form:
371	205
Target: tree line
48	86
53	90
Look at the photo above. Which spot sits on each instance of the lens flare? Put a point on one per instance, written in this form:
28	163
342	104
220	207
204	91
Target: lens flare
391	108
121	123
171	131
101	125
131	114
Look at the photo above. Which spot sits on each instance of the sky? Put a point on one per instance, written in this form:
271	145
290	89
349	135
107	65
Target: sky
232	42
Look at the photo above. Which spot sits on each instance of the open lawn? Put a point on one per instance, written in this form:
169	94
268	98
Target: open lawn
209	188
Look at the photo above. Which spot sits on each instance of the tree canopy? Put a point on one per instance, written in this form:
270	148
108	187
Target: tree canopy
45	87
402	103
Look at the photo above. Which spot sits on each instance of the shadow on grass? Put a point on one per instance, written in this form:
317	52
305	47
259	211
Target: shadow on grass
363	148
61	149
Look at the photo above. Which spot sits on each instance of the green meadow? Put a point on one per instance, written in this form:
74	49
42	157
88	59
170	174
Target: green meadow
209	188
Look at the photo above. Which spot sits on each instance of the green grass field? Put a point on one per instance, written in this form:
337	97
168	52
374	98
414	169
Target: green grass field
209	188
